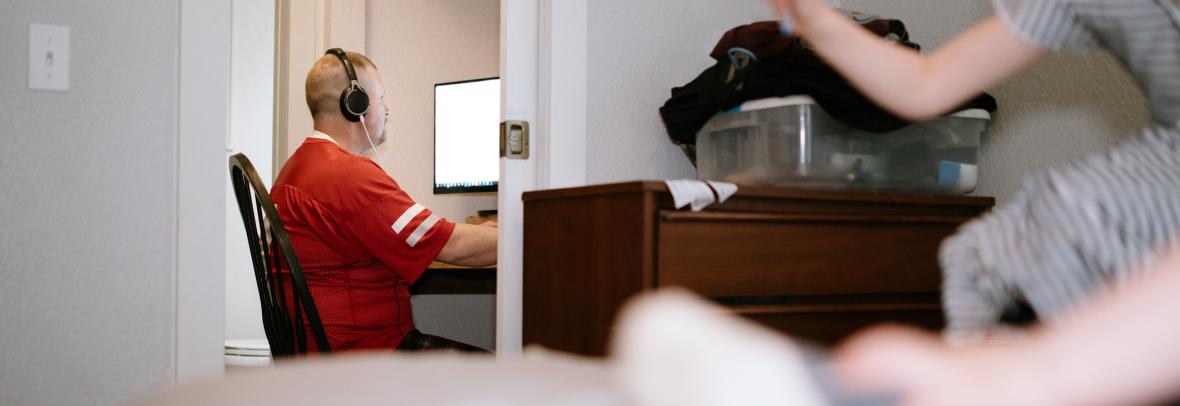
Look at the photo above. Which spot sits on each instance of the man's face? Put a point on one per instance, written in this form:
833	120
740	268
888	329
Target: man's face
378	114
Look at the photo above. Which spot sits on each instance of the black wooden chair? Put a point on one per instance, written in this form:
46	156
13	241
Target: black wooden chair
286	316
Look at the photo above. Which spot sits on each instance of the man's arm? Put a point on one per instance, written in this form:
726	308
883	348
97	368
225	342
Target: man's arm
470	245
904	82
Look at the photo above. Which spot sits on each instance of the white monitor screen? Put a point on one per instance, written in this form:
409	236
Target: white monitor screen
467	136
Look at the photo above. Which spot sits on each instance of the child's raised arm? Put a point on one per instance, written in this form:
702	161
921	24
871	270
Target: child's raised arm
910	85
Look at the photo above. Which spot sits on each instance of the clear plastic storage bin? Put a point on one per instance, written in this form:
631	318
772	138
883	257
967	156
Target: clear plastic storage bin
791	141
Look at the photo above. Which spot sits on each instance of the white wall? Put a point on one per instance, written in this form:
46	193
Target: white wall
415	44
1063	107
94	247
638	51
560	150
251	112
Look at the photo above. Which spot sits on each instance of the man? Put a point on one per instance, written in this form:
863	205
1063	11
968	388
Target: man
361	240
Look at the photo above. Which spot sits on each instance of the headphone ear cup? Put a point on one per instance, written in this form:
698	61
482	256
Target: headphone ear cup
344	107
353	103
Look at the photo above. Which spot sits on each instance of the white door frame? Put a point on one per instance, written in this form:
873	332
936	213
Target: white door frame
202	122
519	22
543	66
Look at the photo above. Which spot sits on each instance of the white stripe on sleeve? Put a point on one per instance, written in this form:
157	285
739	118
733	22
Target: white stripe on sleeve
415	236
406	217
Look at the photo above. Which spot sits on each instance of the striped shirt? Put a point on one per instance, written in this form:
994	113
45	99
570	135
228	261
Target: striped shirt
1098	220
1142	34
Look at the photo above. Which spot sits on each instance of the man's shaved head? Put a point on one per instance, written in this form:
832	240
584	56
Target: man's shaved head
327	80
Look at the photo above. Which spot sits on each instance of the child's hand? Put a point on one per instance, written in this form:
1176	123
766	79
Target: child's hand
795	13
918	368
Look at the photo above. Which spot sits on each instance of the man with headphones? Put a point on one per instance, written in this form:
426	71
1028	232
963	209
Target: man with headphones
362	241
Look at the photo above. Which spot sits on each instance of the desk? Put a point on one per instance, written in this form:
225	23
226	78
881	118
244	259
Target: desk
446	279
816	264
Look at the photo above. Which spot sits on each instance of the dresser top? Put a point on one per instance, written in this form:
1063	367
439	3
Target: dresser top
764	192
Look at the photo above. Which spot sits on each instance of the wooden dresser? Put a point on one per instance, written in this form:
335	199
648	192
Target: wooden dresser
816	264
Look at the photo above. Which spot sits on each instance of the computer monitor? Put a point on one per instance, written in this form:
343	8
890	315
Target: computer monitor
467	136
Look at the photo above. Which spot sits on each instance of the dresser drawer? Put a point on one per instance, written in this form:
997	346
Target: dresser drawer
829	324
721	254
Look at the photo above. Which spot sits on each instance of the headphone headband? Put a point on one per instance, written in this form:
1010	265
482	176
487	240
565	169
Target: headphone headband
343	56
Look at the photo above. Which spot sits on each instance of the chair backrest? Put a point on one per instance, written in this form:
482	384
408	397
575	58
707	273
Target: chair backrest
286	302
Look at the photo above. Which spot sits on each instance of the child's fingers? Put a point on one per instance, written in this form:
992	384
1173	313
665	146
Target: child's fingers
784	10
889	359
780	7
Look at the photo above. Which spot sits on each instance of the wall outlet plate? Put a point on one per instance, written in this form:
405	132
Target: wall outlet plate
49	57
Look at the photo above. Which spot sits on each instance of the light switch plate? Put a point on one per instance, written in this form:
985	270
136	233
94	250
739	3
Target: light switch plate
49	57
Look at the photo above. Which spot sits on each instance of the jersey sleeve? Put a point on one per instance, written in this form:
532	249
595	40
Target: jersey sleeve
401	233
1048	24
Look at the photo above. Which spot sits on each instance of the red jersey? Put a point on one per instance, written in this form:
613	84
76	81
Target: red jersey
360	239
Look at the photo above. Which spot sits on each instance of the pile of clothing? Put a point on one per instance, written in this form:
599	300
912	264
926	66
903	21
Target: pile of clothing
757	61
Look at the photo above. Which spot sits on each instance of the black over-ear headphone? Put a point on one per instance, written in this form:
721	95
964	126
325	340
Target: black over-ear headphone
354	102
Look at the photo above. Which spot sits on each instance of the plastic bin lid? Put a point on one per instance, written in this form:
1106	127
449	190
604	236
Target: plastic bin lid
775	102
802	100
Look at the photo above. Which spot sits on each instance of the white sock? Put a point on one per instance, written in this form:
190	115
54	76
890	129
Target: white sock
672	348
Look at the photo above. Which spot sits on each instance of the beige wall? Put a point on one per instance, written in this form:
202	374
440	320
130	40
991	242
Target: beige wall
1062	108
415	44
